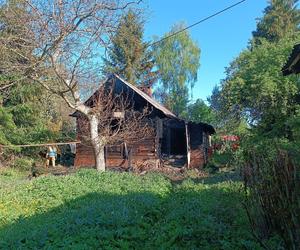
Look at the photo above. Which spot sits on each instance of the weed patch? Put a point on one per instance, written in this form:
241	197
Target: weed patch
112	211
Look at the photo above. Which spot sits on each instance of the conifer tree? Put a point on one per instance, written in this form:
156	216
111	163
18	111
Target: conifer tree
129	56
281	18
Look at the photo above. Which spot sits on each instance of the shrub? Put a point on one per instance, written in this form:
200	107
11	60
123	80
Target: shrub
221	159
8	172
272	175
22	164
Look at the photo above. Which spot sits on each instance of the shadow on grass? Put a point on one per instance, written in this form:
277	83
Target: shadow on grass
191	217
232	176
212	179
89	221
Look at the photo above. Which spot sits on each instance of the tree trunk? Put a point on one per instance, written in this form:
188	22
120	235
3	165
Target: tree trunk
97	143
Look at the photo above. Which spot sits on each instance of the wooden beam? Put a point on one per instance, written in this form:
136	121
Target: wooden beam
39	145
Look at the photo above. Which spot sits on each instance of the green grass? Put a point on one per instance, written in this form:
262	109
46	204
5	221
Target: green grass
10	177
89	210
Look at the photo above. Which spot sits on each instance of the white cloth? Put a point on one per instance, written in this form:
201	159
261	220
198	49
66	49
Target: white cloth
73	148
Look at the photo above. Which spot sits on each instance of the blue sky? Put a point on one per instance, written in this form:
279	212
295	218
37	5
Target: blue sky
221	38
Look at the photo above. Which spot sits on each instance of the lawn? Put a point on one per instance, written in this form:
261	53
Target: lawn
89	210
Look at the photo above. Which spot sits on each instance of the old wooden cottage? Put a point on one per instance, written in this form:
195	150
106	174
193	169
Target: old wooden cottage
175	141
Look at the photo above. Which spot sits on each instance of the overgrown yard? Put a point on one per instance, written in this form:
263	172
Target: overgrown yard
10	178
120	210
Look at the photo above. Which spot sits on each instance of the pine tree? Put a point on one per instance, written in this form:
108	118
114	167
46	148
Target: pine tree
281	18
129	56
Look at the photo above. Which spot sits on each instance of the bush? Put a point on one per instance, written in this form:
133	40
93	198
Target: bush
272	175
9	172
23	164
221	159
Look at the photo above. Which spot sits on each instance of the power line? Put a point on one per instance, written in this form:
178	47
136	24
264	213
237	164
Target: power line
201	21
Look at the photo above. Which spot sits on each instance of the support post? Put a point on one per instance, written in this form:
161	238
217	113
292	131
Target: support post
129	158
188	153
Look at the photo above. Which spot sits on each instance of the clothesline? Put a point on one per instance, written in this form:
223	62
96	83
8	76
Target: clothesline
40	145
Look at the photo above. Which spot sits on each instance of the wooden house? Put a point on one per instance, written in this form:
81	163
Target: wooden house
175	141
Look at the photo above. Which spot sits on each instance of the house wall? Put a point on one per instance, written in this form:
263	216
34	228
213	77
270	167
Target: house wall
148	150
84	156
139	153
197	158
199	146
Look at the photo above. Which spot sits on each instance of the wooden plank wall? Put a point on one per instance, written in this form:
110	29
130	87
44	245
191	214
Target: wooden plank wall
84	156
197	158
142	150
146	150
197	151
115	156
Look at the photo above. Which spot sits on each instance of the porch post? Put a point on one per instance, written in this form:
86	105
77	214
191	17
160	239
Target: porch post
188	154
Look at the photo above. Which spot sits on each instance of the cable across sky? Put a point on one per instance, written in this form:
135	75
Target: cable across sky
201	21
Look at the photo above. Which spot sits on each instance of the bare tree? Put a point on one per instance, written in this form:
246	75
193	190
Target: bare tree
118	121
59	47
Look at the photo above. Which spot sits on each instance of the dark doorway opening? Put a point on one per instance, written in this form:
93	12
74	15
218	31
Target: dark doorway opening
177	141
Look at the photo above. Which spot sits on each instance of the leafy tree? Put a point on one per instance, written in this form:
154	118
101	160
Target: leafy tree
215	99
23	102
129	56
7	125
256	89
281	18
225	122
177	59
200	112
177	99
19	110
18	49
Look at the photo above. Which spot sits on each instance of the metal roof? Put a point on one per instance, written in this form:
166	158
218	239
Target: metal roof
147	98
